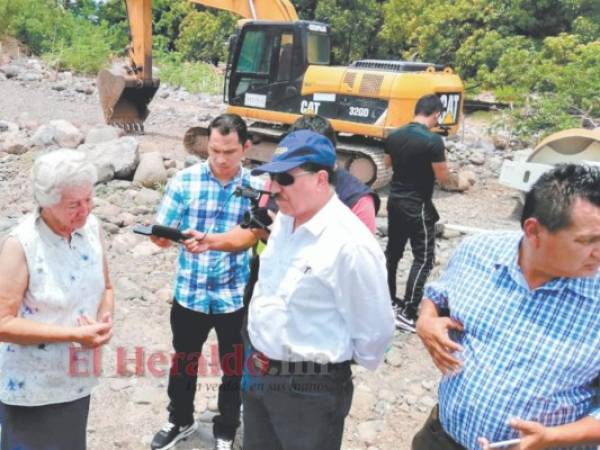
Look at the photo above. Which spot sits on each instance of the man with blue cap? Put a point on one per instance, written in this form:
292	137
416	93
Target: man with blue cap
321	301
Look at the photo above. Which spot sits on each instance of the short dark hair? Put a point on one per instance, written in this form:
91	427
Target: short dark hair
550	199
427	105
316	123
312	167
226	123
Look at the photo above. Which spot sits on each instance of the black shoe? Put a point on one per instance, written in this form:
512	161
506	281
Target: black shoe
404	321
170	434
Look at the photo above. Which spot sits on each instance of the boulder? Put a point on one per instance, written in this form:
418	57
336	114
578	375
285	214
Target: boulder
151	170
477	158
66	134
14	143
106	173
461	182
43	136
103	133
122	154
501	141
30	76
57	132
11	70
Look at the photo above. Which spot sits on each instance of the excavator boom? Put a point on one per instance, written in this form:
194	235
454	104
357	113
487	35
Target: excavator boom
277	10
125	93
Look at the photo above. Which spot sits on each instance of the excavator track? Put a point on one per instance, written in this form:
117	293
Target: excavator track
365	162
362	158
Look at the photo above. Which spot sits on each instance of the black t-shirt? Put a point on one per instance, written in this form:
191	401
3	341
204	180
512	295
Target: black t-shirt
413	148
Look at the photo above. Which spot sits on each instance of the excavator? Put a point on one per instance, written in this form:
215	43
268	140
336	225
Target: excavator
278	68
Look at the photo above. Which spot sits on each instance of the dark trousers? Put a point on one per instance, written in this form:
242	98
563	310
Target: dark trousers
190	330
297	412
49	427
421	234
433	437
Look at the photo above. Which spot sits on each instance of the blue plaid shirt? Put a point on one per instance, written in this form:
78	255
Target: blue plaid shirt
528	354
210	282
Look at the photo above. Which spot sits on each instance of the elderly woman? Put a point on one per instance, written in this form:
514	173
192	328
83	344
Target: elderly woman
56	304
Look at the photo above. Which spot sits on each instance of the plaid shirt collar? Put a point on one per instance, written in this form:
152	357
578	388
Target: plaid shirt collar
207	169
507	263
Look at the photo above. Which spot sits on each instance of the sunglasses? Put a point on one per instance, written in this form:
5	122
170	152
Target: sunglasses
286	179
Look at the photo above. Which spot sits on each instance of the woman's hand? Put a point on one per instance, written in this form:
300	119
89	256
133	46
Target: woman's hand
91	333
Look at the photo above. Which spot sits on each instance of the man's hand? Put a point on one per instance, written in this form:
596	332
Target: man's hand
433	331
534	436
92	334
161	242
197	242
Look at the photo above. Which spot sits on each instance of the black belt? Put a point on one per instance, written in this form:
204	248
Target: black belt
266	366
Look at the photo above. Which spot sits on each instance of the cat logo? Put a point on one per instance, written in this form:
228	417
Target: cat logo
450	114
280	150
308	107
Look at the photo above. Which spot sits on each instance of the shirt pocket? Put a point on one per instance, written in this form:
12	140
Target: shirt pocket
297	278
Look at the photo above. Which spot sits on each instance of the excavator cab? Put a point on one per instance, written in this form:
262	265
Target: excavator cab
269	61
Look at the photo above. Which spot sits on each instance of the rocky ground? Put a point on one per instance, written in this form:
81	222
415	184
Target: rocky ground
41	110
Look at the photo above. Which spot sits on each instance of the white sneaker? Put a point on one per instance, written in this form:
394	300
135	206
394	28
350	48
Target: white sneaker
170	434
403	322
223	444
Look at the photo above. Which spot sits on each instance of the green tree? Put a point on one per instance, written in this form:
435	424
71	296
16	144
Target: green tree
204	36
353	23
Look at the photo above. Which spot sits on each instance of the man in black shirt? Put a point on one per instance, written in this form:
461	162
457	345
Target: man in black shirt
417	157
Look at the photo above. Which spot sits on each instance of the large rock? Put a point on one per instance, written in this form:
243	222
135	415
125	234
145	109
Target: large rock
11	70
123	154
151	170
103	133
43	136
30	76
461	182
14	143
66	134
477	158
57	132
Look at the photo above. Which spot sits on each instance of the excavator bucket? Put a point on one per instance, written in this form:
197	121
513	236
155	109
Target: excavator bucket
124	99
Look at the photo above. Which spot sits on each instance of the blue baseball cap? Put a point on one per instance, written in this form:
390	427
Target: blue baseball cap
297	148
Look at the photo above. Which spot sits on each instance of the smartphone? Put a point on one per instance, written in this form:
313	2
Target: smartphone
160	231
504	444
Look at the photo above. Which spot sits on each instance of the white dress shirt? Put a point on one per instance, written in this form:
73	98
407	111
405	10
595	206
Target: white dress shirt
322	291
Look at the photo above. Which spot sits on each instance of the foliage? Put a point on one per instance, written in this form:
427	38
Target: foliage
193	76
353	23
204	34
70	41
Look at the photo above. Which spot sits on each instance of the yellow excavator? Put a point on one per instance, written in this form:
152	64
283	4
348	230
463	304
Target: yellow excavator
279	68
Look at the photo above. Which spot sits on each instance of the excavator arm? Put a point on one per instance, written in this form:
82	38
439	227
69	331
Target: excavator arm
125	95
277	10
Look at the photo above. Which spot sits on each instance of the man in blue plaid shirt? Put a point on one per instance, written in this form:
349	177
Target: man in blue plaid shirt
209	286
514	325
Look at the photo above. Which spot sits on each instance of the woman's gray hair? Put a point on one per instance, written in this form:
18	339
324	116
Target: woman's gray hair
56	170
